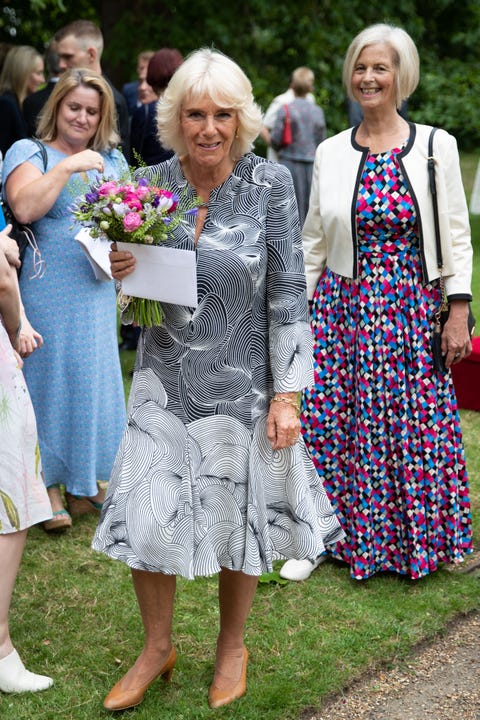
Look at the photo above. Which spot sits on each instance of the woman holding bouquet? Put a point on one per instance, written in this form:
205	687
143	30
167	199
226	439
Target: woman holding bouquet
75	381
212	475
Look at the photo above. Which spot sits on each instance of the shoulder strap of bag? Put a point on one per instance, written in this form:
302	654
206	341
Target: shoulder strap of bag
43	152
433	190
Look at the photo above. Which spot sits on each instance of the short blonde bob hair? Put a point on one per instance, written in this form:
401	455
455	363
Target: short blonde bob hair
106	136
18	66
405	58
209	73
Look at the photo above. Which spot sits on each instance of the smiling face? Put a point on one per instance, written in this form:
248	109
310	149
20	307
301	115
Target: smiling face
78	116
209	131
36	78
373	77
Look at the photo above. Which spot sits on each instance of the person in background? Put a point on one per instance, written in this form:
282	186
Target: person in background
33	104
81	416
23	497
4	50
131	90
22	74
271	115
308	129
381	423
144	132
212	475
80	45
146	147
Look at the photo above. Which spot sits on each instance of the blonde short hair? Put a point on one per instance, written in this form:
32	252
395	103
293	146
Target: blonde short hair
19	64
302	81
405	58
106	136
209	73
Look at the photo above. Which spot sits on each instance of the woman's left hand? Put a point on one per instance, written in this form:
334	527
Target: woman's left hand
283	424
456	341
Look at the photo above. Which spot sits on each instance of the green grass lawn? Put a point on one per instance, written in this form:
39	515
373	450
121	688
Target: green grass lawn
75	617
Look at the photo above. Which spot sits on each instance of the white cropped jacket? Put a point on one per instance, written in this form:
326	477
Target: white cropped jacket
330	235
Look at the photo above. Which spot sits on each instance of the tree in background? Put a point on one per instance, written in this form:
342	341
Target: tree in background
270	39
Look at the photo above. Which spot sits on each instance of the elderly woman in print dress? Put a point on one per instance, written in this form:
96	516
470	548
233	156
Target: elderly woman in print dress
381	422
212	475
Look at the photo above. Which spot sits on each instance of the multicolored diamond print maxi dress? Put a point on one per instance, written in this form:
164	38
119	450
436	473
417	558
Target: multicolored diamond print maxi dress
380	423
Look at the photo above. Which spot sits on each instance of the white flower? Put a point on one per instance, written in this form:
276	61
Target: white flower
120	209
104	225
165	203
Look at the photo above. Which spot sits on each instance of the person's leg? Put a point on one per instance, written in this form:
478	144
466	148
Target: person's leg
11	549
61	519
13	675
155	594
236	591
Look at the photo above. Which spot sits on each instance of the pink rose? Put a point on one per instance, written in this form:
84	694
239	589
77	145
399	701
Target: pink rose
142	192
132	201
132	221
108	188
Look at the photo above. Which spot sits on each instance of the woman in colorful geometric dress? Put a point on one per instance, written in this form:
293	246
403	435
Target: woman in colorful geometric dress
212	475
381	423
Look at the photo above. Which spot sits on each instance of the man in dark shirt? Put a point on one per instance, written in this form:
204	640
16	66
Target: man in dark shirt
80	44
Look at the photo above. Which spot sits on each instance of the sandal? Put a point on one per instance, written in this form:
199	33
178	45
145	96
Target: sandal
60	522
82	505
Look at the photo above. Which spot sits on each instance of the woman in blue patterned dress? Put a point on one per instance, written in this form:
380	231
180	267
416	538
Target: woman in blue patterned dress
75	380
212	475
381	423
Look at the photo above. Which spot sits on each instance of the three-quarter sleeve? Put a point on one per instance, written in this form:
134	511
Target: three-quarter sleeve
290	338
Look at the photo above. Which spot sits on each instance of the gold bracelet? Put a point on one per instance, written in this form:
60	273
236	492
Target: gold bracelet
294	403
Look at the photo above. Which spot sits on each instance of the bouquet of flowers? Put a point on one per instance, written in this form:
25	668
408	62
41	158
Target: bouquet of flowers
137	212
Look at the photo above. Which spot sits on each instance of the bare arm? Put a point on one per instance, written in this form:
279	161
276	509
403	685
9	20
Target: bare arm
31	194
9	247
9	298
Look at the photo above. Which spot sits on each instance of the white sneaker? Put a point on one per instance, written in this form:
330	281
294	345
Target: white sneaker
300	569
15	678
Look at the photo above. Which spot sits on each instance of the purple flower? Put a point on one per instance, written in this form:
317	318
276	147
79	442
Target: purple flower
91	197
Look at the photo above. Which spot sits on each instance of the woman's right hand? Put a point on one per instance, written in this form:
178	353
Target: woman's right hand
85	160
121	263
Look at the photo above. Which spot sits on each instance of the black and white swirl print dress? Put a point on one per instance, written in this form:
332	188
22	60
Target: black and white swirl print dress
196	485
